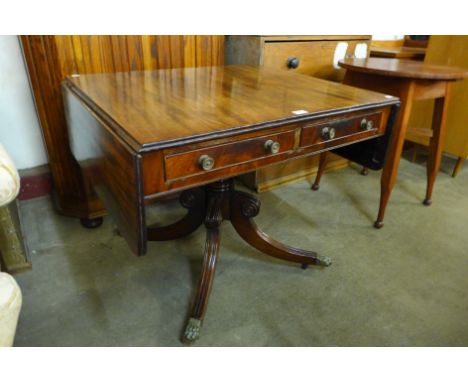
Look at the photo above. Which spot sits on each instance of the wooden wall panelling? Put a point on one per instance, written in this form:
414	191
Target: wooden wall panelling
50	59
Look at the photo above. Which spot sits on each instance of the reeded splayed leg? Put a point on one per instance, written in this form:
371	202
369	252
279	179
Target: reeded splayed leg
244	208
194	201
213	204
213	219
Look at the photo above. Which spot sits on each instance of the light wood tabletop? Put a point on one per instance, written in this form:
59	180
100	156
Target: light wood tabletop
393	67
410	81
407	52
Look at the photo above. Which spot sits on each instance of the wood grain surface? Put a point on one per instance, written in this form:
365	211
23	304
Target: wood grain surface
393	67
407	52
160	108
113	169
50	59
313	55
446	50
141	135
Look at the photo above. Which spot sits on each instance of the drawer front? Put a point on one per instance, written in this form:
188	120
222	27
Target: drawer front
340	131
314	58
212	158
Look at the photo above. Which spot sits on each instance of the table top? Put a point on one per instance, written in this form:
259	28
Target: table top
393	67
398	52
153	108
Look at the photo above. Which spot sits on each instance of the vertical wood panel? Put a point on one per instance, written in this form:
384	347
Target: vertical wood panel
135	52
51	58
105	49
190	51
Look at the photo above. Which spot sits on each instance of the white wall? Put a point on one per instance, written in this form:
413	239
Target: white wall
19	127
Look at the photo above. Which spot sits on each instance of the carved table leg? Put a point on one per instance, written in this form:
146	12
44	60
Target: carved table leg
211	205
243	208
194	201
321	169
213	219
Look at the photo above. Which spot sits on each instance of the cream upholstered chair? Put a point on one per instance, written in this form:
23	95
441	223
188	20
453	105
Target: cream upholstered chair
10	305
9	179
10	293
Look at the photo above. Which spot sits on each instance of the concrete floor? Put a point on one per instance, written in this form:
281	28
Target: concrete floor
404	285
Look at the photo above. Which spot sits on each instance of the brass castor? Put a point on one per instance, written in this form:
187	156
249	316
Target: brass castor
324	261
91	223
427	202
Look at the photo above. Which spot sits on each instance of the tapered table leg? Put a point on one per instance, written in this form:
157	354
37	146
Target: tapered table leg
436	143
321	169
458	166
392	160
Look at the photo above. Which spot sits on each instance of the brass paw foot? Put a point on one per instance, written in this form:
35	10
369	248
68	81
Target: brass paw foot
427	202
192	330
323	260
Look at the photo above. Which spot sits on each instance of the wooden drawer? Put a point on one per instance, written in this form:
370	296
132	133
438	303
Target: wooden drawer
339	131
187	163
315	55
315	58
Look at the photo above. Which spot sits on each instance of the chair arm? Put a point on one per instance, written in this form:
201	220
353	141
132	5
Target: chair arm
9	178
10	306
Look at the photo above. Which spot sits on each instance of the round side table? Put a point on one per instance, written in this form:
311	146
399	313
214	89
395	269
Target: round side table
410	81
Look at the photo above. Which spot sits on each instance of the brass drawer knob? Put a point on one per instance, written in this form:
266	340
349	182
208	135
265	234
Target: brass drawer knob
328	133
366	125
206	162
272	146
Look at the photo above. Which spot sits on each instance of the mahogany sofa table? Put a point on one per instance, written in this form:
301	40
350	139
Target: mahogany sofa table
410	81
141	135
